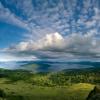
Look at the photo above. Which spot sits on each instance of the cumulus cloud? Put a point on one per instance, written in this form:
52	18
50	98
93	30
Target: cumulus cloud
74	27
55	45
52	40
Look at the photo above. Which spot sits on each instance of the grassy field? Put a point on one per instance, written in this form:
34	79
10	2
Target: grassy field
24	91
65	85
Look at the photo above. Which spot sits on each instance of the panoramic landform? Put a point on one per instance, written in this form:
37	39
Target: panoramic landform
49	49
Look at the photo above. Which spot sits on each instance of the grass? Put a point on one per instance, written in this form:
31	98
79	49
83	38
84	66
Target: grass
26	91
65	85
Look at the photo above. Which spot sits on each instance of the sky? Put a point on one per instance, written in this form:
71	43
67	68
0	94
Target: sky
49	30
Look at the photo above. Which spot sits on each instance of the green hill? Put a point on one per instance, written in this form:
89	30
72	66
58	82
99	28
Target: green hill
64	85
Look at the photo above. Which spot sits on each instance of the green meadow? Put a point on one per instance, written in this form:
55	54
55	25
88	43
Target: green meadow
64	85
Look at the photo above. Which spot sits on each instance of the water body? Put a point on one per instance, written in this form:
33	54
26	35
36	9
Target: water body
46	66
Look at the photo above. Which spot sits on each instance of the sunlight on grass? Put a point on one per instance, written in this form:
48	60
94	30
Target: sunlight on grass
74	92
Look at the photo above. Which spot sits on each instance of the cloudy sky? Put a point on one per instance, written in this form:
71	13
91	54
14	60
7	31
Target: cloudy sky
49	29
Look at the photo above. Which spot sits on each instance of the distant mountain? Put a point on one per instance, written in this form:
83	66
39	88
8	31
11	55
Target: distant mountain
48	66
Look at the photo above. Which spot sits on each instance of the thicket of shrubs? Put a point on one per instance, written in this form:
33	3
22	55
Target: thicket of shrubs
54	79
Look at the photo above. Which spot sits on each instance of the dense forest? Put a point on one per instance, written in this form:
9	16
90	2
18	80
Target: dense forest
63	78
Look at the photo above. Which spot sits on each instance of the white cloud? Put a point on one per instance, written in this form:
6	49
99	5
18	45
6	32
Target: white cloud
49	41
7	16
56	16
74	44
65	17
5	57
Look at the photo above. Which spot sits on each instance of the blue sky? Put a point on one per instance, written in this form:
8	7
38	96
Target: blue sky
10	34
30	27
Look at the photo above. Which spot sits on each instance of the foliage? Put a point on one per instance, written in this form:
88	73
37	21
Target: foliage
64	85
62	78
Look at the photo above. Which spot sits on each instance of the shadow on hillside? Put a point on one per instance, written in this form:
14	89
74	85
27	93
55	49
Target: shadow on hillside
94	94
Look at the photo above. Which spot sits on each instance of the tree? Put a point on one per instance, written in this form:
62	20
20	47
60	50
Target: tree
2	94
